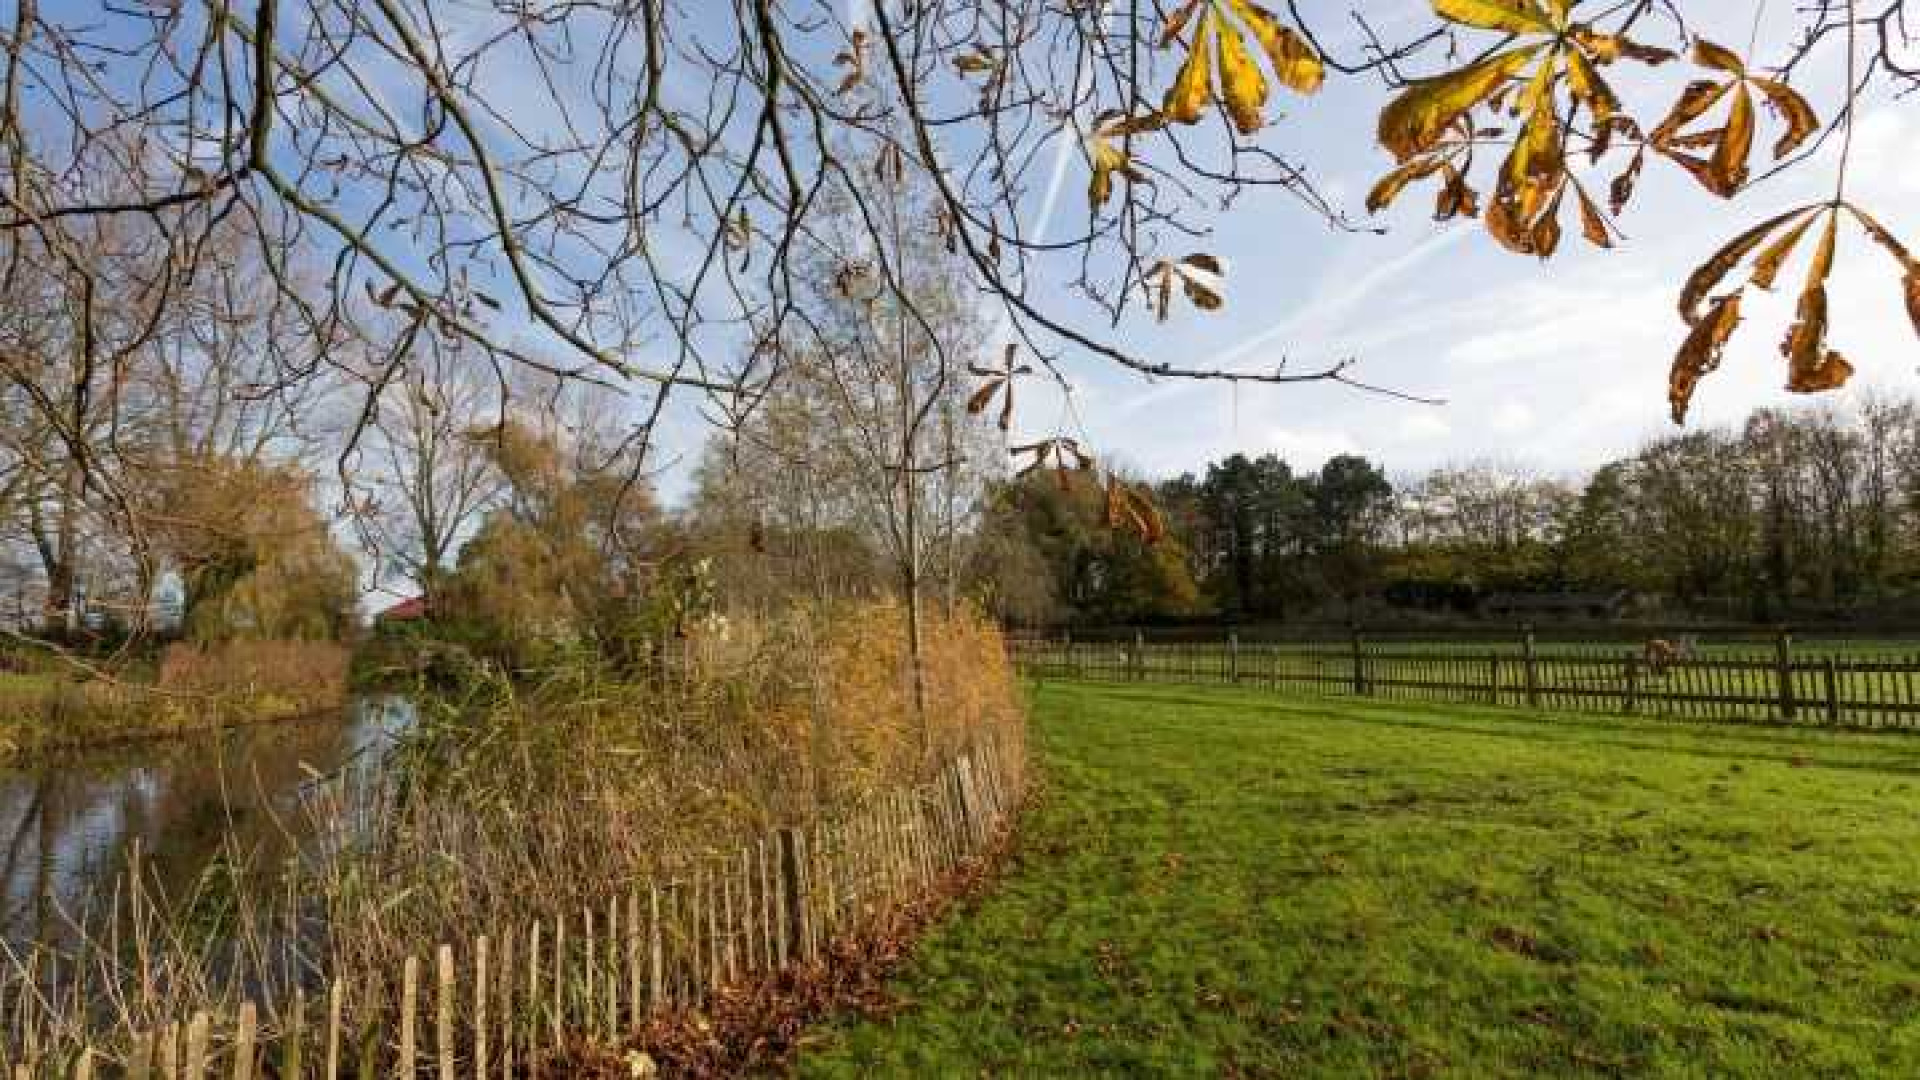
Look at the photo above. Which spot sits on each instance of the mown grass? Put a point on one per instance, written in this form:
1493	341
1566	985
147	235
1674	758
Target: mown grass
1216	882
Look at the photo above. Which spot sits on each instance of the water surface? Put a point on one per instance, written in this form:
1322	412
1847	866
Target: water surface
67	820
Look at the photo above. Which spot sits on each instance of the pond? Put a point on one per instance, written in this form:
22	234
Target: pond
68	820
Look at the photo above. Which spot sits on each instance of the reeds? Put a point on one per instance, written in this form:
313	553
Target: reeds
551	873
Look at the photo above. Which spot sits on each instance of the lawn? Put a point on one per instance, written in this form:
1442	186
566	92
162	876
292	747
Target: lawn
1220	882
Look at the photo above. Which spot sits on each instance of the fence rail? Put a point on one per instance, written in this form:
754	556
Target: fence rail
1778	685
504	1001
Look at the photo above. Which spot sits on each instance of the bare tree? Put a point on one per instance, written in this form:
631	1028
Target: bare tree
433	476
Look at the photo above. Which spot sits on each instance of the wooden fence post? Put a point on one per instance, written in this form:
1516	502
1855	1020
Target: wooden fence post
1830	668
409	1006
1783	670
1493	678
243	1041
1359	665
793	925
1532	668
1138	660
1233	659
481	990
1632	662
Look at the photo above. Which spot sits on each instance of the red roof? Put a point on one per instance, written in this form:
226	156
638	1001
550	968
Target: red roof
405	611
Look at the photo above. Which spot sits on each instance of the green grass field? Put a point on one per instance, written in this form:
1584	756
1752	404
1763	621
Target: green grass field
1867	685
1220	882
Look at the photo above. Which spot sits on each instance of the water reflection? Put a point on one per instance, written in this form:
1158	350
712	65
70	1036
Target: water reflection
66	822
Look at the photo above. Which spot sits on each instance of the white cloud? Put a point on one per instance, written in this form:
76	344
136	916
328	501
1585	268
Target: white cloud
1309	448
1511	417
1422	426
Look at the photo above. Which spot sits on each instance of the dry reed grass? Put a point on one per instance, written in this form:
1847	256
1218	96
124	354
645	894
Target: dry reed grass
197	688
550	803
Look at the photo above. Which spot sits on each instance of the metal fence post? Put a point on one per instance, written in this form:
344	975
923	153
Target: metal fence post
1359	666
1138	661
1233	658
1493	678
1830	668
1783	669
1633	681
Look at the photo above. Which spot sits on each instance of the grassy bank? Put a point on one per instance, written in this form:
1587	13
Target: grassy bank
186	690
1221	883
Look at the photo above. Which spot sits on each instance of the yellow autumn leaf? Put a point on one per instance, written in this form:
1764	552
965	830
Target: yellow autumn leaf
1295	63
1242	87
1512	16
1186	99
1413	121
1591	89
1538	151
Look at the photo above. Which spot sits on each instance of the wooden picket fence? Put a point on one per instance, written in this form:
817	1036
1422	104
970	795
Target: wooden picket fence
505	1000
1777	685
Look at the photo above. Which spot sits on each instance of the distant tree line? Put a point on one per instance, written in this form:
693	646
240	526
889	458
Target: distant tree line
1794	513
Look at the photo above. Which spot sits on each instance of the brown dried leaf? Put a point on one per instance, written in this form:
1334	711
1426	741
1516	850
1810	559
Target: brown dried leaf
1700	354
1800	118
1456	197
1707	54
1692	104
1388	187
1606	48
1620	193
1593	224
1811	366
1910	282
1710	273
1766	267
984	396
1736	145
1176	23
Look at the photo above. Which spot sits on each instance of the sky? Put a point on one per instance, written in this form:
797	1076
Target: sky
1560	365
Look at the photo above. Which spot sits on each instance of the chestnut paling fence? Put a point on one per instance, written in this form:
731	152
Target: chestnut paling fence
504	1000
1778	684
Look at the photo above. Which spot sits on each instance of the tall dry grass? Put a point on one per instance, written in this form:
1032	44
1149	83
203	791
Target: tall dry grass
555	804
557	801
271	678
